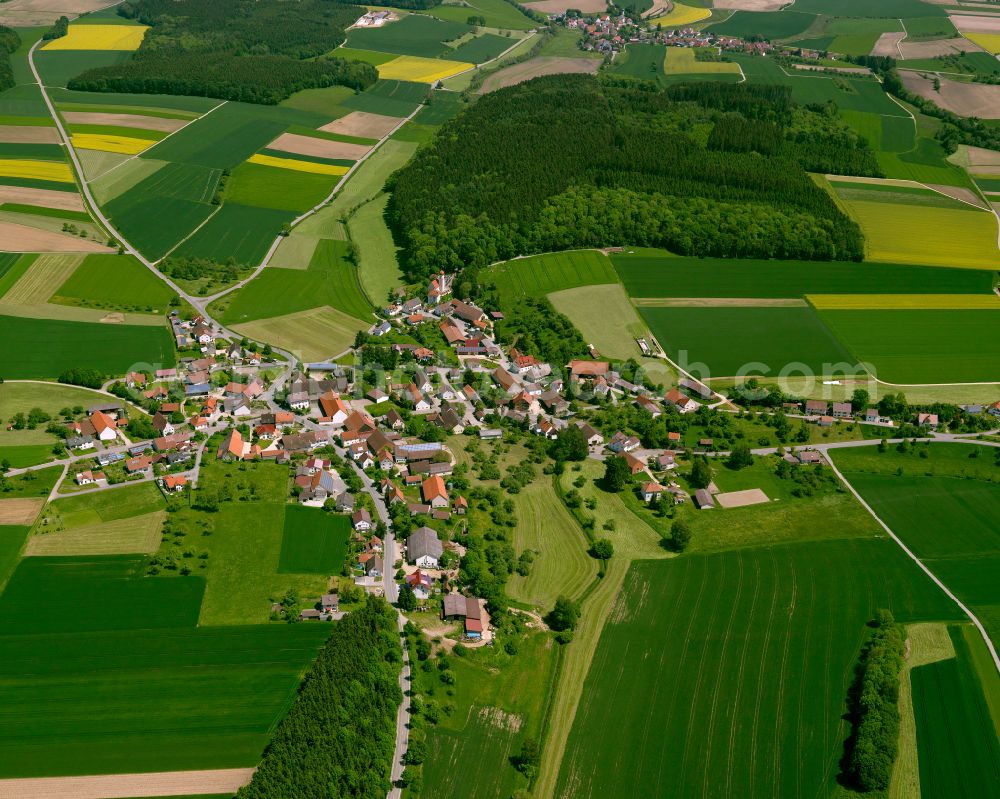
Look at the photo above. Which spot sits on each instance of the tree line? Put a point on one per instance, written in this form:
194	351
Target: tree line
874	742
244	50
339	737
577	161
9	42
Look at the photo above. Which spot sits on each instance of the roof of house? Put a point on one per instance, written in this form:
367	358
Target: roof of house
331	404
423	542
102	422
588	368
232	445
432	488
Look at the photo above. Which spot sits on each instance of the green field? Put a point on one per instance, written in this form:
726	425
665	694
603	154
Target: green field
769	25
711	665
942	510
378	267
921	346
329	280
959	752
481	49
319	101
21	455
12	538
114	282
394	98
154	225
106	506
414	34
561	567
311	335
183	104
720	342
861	8
281	189
653	276
498	14
57	67
640	61
146	699
538	275
47	347
241	232
313	541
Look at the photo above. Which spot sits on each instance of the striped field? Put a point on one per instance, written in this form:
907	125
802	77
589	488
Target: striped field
297	165
118	537
43	277
909	301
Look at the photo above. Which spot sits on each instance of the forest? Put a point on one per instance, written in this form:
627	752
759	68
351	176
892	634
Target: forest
339	736
9	42
576	161
245	50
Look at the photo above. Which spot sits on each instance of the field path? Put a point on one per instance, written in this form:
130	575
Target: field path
915	559
125	786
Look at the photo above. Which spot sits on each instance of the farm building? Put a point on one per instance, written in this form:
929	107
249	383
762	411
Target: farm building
703	499
424	548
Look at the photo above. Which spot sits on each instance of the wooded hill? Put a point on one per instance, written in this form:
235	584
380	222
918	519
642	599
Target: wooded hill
248	50
571	161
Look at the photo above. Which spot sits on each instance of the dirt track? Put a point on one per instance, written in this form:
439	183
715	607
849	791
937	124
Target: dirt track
126	786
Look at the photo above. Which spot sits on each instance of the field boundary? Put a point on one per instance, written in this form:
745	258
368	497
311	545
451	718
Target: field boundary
972	616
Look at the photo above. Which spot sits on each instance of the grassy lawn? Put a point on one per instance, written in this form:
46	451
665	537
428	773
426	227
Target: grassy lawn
313	542
32	484
757	645
562	565
105	506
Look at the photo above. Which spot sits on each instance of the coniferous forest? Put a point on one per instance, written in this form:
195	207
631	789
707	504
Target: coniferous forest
576	161
338	738
246	50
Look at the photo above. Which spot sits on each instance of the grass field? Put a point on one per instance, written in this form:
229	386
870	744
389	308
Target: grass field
136	534
48	347
267	186
394	98
944	515
414	34
378	267
155	225
561	567
640	61
664	276
921	346
497	13
909	233
36	285
770	25
757	648
313	542
295	252
330	280
100	37
959	752
241	232
539	275
49	397
114	282
311	335
12	538
682	61
106	506
723	342
147	700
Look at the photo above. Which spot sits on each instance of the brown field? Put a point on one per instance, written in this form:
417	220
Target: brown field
976	23
752	5
739	499
363	124
536	67
30	13
887	44
966	99
19	511
960	194
124	121
937	47
560	7
320	148
21	238
126	786
45	198
978	160
28	134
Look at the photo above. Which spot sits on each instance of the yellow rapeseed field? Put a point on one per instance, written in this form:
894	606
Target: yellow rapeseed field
299	166
100	37
420	70
988	41
110	143
680	16
35	170
943	302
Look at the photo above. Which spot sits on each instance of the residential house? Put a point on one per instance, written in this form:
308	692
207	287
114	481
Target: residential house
817	407
424	548
173	483
635	464
593	436
345	502
80	442
872	416
460	505
651	491
434	492
621	443
361	520
298	401
682	402
825	421
928	420
89	478
696	387
842	410
393	420
649	405
665	461
137	465
589	369
233	447
448	420
335	411
371	564
505	380
105	428
135	380
421	584
163	425
236	406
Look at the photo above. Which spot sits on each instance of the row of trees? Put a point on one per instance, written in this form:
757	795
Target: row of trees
251	51
9	42
576	161
339	736
875	740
